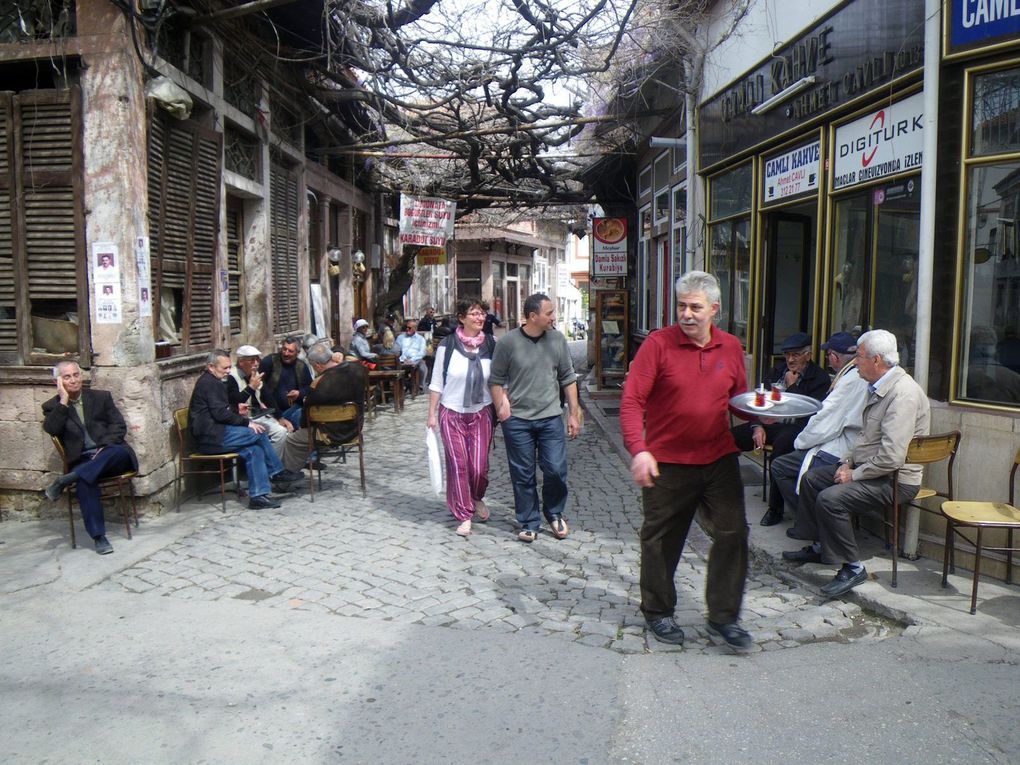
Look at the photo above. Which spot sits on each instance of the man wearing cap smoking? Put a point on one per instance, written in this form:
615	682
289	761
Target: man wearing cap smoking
248	396
827	436
799	374
287	379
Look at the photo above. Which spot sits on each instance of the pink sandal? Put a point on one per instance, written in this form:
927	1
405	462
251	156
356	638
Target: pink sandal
465	528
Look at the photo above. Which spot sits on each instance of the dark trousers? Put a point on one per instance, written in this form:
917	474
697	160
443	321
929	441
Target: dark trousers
780	435
109	461
824	508
669	508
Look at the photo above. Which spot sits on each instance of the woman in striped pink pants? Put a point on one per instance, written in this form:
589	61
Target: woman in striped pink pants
460	405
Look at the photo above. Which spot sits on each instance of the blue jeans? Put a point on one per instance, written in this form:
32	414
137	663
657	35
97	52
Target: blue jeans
260	459
548	438
293	415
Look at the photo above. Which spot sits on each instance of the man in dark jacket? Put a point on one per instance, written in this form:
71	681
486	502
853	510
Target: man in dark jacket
798	373
287	379
217	428
92	431
335	383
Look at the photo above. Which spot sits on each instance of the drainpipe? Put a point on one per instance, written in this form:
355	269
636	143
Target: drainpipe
926	245
694	185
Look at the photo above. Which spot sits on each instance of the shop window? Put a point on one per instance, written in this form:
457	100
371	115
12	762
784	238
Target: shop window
185	169
315	246
678	225
498	275
874	284
283	245
729	236
43	303
469	279
645	272
989	328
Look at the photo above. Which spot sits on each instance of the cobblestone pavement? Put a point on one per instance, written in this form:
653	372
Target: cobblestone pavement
394	556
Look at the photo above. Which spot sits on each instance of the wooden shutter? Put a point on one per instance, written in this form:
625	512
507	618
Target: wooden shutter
42	222
8	296
185	166
283	224
235	261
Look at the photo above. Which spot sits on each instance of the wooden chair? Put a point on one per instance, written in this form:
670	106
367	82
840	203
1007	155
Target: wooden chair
923	450
186	454
106	487
319	417
980	516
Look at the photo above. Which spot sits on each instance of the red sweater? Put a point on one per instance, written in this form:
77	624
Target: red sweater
676	400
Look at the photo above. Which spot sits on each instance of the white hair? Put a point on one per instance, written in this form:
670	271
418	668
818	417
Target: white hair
699	281
881	342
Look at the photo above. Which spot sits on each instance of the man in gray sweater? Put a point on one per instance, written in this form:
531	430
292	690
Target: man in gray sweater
530	367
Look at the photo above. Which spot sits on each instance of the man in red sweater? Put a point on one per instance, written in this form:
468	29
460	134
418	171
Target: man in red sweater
675	422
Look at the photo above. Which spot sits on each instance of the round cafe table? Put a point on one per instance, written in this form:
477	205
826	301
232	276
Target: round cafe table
793	406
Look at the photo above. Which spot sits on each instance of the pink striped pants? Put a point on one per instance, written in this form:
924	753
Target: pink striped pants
466	441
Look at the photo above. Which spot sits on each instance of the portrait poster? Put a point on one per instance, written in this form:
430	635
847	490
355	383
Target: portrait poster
105	263
108	303
144	277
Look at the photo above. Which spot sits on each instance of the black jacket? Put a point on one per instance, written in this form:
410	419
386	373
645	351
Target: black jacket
209	411
814	381
103	420
271	368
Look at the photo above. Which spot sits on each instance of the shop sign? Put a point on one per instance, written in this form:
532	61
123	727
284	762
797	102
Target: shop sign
858	48
792	172
975	23
426	221
883	143
431	256
609	247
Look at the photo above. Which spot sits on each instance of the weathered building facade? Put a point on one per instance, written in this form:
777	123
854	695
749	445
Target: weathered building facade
159	197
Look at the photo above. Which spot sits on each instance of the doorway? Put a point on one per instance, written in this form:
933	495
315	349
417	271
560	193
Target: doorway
790	254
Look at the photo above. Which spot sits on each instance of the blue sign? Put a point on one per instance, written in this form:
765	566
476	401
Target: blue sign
975	22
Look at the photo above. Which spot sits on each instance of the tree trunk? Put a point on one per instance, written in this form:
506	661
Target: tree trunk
392	299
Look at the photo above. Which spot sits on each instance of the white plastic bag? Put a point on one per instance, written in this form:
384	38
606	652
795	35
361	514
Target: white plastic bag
435	462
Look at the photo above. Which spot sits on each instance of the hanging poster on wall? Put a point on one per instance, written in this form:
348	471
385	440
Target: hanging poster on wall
609	247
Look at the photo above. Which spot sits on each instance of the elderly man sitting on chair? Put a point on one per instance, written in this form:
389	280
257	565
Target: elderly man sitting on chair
217	428
91	430
335	383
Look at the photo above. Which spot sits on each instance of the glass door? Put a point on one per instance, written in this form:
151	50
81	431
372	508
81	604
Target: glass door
789	278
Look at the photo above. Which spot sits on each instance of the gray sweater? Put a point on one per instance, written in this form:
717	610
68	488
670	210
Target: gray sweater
533	372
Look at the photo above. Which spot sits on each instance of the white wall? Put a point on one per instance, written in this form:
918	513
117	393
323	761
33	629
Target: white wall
769	25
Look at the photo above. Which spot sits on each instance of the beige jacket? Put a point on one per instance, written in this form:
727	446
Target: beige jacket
893	415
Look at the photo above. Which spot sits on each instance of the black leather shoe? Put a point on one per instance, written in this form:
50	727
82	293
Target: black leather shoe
287	476
54	490
803	555
844	581
666	630
736	637
103	546
772	517
263	502
792	533
315	465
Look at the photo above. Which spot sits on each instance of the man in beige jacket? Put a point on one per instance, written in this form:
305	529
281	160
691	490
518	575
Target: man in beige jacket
896	410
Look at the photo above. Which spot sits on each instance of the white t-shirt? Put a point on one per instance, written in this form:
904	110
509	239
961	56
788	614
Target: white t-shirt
452	393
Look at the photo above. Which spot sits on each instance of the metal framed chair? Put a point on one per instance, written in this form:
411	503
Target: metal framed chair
186	454
980	516
106	487
923	450
319	417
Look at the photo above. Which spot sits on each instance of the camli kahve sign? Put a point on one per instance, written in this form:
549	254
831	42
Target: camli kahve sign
427	223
